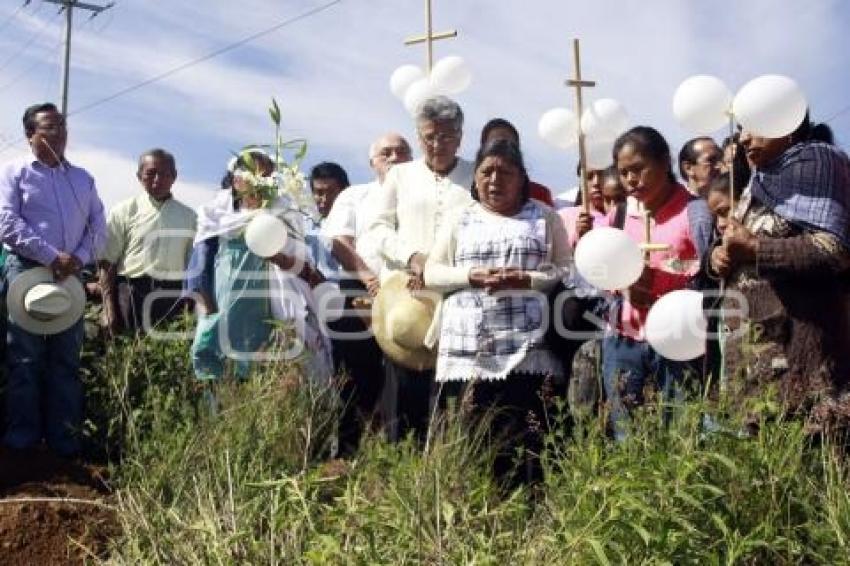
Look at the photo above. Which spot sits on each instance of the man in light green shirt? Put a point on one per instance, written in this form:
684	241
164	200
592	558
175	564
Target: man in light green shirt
147	250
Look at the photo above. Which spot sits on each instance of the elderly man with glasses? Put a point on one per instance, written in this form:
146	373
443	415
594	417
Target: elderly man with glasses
415	201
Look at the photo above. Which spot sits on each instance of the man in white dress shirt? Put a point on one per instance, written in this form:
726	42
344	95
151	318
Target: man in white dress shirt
355	349
415	199
355	208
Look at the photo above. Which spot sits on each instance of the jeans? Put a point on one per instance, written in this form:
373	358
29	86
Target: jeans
626	365
44	395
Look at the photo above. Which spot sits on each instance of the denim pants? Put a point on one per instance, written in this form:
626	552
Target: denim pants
44	395
626	365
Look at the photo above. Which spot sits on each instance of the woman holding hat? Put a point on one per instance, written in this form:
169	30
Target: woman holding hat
494	265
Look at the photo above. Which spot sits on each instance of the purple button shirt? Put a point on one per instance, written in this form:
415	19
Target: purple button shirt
46	210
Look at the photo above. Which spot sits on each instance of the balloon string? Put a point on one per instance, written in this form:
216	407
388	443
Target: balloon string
734	143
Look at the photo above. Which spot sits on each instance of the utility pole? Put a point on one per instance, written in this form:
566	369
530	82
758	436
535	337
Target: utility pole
68	6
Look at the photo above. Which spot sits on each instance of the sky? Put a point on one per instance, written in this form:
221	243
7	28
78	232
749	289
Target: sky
328	64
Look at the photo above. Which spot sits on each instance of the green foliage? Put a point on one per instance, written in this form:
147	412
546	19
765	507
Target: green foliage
274	113
251	483
680	495
135	388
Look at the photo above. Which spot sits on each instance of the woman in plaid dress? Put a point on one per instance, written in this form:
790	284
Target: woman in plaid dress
494	265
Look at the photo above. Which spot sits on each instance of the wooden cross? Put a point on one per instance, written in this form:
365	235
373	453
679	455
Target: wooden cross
648	246
430	37
578	83
734	145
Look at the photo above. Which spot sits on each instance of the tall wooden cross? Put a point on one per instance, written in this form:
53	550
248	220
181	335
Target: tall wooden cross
578	83
430	37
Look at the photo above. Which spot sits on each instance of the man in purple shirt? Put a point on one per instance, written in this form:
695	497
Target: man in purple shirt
50	215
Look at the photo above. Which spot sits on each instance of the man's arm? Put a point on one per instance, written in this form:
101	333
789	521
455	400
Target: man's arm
15	232
200	275
110	258
106	273
343	250
94	232
384	228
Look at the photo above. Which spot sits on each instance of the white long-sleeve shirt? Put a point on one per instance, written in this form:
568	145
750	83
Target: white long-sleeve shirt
411	207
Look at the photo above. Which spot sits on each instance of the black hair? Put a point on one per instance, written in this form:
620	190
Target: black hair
329	170
741	166
612	172
649	142
29	116
688	153
258	156
809	131
823	133
720	184
157	153
498	123
508	150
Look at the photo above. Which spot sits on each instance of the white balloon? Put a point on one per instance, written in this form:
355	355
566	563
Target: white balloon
605	118
772	106
265	235
403	77
702	103
676	326
416	94
598	152
608	259
330	302
450	75
558	127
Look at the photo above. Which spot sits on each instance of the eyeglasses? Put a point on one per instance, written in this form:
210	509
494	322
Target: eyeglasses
439	138
52	129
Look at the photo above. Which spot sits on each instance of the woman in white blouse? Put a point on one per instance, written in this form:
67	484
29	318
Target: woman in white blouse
495	265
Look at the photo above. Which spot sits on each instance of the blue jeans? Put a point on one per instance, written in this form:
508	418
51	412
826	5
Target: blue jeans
44	395
626	365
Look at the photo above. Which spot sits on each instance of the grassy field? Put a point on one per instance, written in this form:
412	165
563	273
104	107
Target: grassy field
251	484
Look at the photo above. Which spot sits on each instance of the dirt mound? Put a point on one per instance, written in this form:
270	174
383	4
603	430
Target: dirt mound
52	511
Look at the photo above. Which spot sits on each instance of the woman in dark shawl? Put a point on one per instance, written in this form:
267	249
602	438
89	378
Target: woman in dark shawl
786	259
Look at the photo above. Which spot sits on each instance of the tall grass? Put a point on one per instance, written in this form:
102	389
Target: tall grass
252	484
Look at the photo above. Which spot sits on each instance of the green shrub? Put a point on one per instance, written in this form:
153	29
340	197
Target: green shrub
252	482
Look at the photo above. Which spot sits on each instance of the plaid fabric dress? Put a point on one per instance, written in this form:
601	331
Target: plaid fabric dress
488	336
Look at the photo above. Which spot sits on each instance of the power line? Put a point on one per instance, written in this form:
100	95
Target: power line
208	56
26	70
69	6
13	15
837	114
100	24
26	45
192	63
53	68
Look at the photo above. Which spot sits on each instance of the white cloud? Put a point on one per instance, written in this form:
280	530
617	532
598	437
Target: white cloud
330	71
115	176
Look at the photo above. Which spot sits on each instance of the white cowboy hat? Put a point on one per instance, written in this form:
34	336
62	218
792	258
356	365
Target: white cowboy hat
400	322
40	305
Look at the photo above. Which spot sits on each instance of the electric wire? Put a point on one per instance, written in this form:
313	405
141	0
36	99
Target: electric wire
191	63
35	37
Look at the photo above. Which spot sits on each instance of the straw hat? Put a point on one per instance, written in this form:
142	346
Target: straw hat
400	321
41	306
